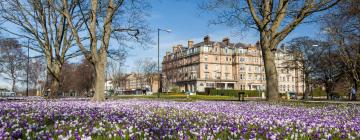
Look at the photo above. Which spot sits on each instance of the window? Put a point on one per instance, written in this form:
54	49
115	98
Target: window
226	58
206	66
241	51
206	58
288	88
217	75
242	68
206	49
206	75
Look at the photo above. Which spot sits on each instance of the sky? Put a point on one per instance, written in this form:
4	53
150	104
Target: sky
187	22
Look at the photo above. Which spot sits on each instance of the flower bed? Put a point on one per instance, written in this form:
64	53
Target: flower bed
139	119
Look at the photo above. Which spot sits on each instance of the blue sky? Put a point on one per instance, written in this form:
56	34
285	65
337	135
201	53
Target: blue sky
187	21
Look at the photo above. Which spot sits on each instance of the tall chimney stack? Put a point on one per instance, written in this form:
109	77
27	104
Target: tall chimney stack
190	44
207	39
226	41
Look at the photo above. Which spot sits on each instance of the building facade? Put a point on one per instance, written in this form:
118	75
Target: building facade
136	82
224	65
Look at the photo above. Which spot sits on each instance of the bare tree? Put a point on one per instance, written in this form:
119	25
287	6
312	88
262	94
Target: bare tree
36	72
119	19
273	19
77	77
46	29
149	69
12	58
87	76
115	69
139	63
304	53
346	35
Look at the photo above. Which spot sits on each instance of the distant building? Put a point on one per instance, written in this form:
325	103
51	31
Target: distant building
224	65
109	85
137	83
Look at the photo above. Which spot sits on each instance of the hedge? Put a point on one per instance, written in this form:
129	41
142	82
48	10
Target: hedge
318	92
248	93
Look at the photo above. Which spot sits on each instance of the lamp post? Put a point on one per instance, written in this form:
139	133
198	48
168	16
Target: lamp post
159	83
27	69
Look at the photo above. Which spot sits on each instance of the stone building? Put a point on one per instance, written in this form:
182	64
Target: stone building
137	82
224	65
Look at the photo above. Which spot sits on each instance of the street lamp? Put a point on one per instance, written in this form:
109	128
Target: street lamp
27	68
166	30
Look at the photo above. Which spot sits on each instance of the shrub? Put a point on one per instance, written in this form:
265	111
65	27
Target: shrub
175	89
201	93
248	93
318	92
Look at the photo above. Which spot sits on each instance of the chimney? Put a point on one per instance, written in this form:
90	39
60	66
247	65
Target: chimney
282	47
179	46
226	41
174	49
207	39
190	44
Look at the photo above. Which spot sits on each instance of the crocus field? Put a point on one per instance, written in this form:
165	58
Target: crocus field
155	119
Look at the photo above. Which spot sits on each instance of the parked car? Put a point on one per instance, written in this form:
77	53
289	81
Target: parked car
292	95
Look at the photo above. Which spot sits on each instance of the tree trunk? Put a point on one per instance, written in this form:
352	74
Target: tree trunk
100	66
353	97
327	89
54	88
55	74
13	85
307	90
272	93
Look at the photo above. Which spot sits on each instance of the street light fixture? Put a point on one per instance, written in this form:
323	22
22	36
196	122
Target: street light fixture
159	83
